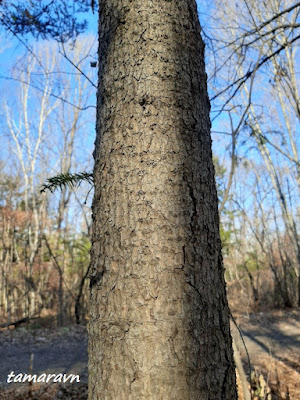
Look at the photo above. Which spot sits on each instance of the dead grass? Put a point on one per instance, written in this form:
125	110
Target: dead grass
282	379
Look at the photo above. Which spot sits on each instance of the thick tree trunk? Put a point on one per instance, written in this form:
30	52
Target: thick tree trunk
159	323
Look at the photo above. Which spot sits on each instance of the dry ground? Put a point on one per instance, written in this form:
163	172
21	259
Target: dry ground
272	339
273	342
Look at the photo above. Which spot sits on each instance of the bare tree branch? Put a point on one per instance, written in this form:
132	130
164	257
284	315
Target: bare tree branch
47	93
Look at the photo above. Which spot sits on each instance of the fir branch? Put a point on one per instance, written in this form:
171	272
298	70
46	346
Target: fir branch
67	179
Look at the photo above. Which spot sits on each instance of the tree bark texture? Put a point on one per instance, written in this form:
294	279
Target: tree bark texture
159	321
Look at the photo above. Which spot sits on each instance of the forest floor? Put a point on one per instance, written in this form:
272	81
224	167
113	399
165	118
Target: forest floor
272	340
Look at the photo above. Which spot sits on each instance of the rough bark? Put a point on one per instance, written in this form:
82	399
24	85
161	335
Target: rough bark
159	321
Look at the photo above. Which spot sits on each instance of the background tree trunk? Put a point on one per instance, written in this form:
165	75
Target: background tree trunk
159	326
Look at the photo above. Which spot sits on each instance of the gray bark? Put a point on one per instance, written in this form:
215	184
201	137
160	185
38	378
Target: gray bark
159	320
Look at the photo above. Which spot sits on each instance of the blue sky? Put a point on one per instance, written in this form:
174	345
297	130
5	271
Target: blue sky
12	47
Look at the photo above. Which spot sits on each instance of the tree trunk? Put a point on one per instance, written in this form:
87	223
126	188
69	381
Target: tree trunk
159	323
